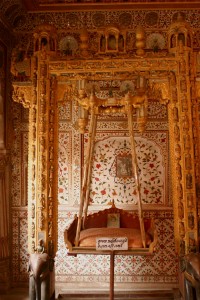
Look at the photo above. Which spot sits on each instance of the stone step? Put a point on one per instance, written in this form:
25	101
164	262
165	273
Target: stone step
139	295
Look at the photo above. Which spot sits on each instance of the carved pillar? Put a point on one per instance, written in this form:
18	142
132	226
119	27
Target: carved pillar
43	143
184	163
4	223
4	182
39	95
32	159
181	116
196	135
2	131
175	153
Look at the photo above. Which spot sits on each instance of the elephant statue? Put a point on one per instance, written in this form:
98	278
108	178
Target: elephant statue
39	276
190	265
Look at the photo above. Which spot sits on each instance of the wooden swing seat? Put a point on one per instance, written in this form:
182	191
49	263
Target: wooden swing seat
81	236
95	226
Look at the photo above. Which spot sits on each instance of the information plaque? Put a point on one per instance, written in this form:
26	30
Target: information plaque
112	243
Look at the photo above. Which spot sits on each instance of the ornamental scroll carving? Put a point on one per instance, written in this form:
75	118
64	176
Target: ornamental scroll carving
64	90
22	94
160	91
53	81
125	65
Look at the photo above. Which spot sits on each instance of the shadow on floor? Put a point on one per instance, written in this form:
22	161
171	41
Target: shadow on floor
15	294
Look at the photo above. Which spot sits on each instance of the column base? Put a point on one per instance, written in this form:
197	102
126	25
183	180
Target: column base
4	276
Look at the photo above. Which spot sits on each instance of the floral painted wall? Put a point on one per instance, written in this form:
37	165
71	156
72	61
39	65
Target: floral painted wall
112	176
108	182
19	213
112	179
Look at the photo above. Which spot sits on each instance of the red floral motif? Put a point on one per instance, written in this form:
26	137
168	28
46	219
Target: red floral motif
103	192
63	169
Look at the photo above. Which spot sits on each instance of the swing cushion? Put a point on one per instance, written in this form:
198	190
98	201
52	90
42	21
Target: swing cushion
88	236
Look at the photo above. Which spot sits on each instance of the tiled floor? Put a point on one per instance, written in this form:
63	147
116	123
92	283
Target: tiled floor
125	295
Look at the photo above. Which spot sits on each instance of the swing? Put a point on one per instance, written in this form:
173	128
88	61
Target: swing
83	233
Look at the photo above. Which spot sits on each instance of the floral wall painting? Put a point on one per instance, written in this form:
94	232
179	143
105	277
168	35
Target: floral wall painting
112	173
64	161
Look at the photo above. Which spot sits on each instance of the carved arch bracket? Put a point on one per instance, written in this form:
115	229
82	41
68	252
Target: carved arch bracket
22	94
160	90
